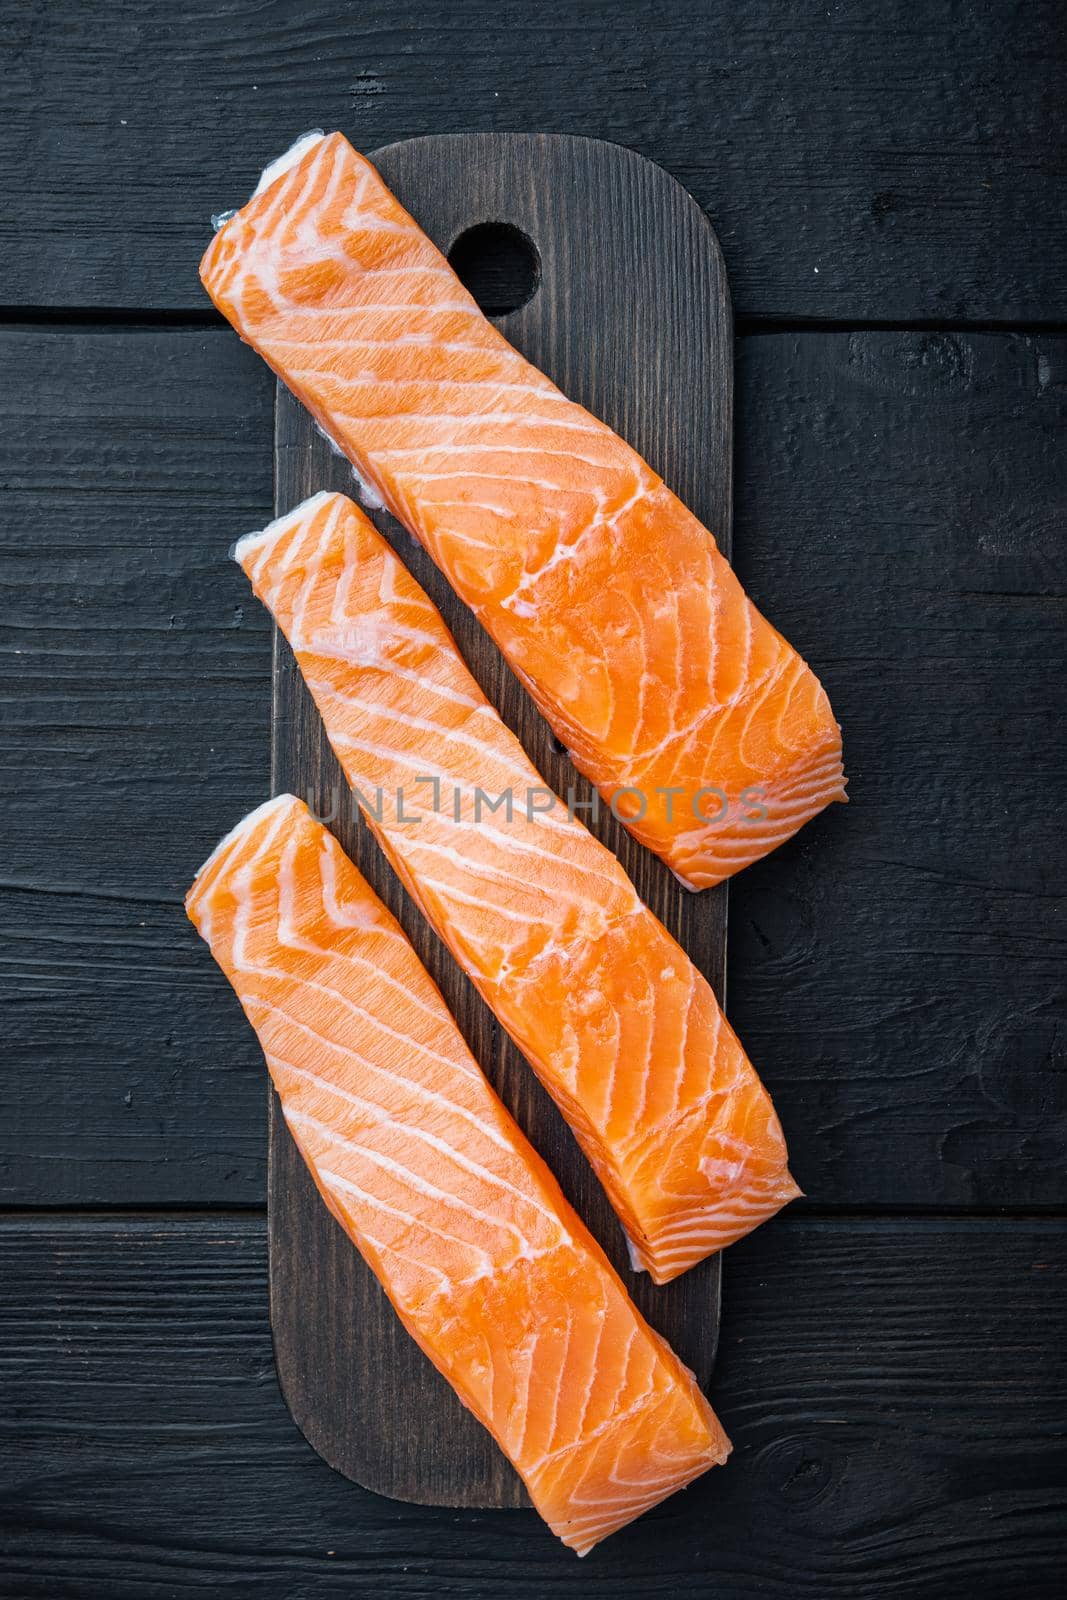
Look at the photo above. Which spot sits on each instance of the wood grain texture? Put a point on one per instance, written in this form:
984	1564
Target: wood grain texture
872	160
898	970
891	1389
134	674
894	1389
897	973
632	306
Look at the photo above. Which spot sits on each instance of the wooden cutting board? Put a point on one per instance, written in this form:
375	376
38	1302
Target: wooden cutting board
629	312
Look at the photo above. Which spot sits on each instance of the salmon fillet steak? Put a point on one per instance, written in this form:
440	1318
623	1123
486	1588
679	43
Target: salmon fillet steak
489	1269
711	738
624	1032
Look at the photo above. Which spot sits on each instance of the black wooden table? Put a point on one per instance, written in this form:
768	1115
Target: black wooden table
887	181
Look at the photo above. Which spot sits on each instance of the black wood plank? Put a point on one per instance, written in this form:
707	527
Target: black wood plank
895	1394
632	304
873	159
897	972
135	726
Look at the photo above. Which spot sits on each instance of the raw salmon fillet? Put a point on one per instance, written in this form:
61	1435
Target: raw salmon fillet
487	1265
709	735
623	1031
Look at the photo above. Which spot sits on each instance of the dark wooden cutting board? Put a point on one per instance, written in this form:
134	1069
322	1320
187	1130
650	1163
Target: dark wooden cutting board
630	314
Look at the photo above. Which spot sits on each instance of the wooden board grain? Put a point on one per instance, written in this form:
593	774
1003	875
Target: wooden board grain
631	317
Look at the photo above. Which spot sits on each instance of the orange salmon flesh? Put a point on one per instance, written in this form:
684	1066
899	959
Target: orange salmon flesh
624	1032
608	597
489	1269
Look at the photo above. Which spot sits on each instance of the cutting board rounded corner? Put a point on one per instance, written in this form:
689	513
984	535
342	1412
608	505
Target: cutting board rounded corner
479	148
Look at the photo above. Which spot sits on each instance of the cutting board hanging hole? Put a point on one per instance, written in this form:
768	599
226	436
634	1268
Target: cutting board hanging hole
499	264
